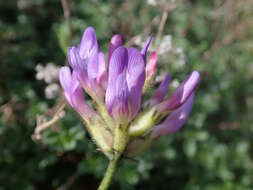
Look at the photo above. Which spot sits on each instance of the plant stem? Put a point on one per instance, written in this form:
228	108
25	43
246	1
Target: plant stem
109	172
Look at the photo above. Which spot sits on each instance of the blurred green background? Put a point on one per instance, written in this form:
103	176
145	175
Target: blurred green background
214	149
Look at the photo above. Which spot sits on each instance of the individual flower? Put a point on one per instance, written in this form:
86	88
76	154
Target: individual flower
147	125
74	93
175	120
115	42
89	65
181	94
126	78
159	107
125	81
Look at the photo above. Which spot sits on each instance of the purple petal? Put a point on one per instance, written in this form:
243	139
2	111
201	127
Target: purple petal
65	80
161	91
181	94
90	86
145	48
65	77
74	82
120	110
74	94
92	65
102	74
75	60
88	43
135	79
88	51
118	64
70	84
175	120
80	105
116	41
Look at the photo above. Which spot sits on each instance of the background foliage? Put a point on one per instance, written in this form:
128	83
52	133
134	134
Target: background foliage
212	152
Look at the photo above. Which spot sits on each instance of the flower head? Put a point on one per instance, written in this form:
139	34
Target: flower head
118	124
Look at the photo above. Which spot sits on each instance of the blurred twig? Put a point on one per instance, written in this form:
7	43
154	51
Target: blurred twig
69	182
39	120
163	18
98	8
147	29
234	21
169	7
8	110
161	27
3	65
67	15
44	125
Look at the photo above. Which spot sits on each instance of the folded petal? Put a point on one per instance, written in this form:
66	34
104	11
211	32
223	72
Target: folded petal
65	77
181	94
120	110
80	105
116	41
102	74
145	49
161	91
135	79
88	43
74	93
118	64
92	65
65	80
70	84
175	120
75	60
88	52
151	65
74	82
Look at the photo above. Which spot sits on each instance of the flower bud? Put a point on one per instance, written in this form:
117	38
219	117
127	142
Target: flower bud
151	65
116	41
150	72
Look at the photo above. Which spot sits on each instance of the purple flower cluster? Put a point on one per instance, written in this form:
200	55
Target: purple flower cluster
120	88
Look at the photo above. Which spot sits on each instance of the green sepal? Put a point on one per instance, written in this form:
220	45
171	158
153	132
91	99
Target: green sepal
101	136
105	115
120	138
143	122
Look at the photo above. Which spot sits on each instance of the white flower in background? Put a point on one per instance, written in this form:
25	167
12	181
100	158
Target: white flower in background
159	78
24	4
182	56
51	91
165	49
175	83
160	2
49	74
165	45
152	2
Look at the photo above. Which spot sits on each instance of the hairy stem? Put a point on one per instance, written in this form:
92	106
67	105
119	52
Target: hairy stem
109	172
